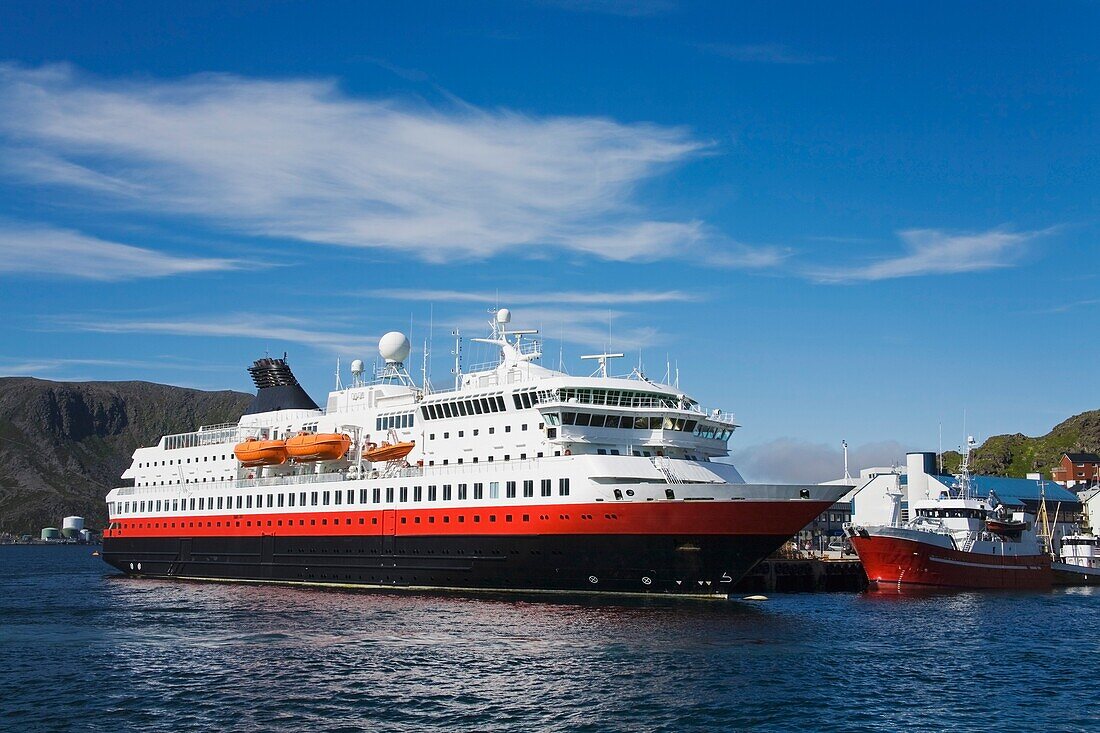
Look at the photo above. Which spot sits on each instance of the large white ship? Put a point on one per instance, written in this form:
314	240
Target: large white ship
519	478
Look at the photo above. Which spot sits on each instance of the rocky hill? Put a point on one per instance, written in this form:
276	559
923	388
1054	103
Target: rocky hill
1017	454
63	445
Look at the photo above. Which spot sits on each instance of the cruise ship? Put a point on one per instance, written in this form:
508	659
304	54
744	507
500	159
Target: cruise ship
519	478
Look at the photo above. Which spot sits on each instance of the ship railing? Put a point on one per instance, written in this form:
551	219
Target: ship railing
211	435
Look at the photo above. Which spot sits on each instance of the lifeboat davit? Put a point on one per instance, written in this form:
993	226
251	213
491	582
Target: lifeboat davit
388	451
318	446
255	452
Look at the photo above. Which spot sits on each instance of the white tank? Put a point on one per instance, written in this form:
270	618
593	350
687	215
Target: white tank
71	526
394	347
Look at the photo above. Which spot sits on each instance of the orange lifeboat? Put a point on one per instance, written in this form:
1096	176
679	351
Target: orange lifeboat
318	446
388	451
255	452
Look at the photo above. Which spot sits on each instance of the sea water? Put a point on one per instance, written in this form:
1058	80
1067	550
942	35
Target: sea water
83	648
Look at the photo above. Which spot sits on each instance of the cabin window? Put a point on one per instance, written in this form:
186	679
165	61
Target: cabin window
528	488
362	496
302	498
418	493
389	494
313	498
403	493
545	487
563	487
431	492
479	491
446	492
219	502
494	489
290	499
376	496
270	500
280	501
510	490
461	492
338	497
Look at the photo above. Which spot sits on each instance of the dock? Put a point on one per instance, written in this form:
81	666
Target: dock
805	575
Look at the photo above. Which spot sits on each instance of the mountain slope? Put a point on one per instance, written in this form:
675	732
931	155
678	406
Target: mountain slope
63	445
1017	454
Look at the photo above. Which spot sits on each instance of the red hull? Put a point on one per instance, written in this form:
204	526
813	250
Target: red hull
903	562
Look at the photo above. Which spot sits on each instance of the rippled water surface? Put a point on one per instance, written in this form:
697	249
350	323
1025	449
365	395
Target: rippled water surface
83	648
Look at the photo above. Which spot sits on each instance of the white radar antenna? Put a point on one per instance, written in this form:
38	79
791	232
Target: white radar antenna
516	351
394	348
601	370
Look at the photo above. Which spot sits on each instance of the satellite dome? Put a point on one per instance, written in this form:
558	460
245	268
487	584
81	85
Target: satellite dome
357	366
394	347
504	315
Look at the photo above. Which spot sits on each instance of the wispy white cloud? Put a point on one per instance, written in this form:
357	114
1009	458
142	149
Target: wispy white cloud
510	299
936	252
266	327
792	460
764	53
301	160
49	366
592	328
26	248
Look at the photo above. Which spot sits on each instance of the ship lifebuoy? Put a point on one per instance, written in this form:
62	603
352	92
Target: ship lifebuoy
568	452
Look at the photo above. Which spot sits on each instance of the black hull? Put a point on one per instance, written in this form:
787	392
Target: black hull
658	564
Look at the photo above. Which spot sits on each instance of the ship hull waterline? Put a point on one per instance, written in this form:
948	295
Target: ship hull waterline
893	562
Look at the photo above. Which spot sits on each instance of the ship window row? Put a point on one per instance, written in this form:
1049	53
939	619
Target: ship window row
337	498
404	420
640	422
492	431
181	461
463	408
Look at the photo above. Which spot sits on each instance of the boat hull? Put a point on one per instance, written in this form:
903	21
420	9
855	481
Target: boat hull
897	562
693	548
702	565
1068	574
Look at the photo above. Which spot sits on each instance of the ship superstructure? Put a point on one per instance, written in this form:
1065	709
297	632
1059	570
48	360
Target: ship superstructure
521	477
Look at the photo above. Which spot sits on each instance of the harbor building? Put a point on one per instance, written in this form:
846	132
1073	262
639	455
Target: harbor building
1075	469
884	495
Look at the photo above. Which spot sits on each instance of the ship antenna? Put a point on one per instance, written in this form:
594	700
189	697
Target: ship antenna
338	386
457	353
847	476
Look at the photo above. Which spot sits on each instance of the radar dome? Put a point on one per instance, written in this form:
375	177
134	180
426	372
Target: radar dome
357	366
394	347
504	315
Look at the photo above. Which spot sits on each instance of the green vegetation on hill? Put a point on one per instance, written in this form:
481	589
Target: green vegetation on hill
1018	455
64	445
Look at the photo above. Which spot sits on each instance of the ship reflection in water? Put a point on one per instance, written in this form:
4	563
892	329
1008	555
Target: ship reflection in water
143	654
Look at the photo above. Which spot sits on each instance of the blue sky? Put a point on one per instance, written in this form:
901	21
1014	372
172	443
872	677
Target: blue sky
842	221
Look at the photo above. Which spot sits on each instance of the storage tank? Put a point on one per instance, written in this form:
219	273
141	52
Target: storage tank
71	526
51	533
86	535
